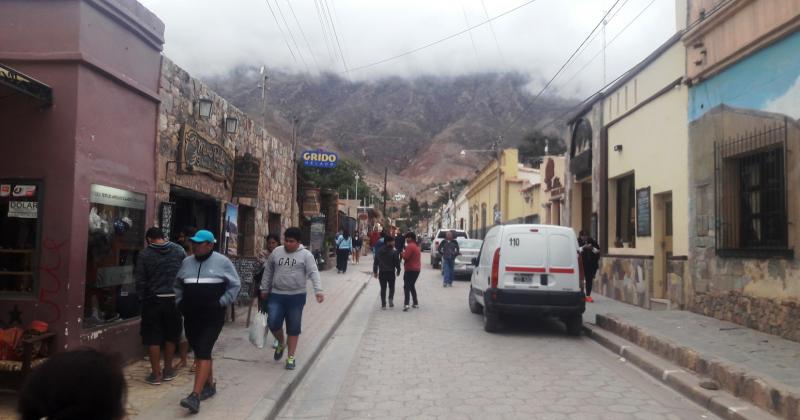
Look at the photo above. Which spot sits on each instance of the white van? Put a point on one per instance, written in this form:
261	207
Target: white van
528	269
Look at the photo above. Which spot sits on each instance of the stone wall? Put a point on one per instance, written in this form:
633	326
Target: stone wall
179	94
761	292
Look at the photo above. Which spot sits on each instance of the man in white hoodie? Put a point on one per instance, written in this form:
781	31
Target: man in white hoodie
283	285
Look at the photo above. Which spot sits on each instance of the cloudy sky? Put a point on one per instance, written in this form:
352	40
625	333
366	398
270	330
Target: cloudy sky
208	37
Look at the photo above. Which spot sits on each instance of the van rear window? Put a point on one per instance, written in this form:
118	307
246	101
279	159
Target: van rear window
443	233
562	250
525	249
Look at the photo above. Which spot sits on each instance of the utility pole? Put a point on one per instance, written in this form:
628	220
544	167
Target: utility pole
605	22
295	121
385	177
357	177
498	217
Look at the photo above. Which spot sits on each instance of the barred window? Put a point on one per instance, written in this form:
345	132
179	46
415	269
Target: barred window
751	213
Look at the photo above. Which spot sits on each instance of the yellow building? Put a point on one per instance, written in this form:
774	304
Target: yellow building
543	200
482	192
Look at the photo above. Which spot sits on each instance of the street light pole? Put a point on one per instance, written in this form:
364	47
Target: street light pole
357	178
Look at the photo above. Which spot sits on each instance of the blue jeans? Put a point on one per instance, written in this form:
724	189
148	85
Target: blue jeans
287	308
448	266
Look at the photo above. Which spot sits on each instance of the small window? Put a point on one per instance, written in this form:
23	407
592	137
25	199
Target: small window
626	210
116	235
20	230
751	194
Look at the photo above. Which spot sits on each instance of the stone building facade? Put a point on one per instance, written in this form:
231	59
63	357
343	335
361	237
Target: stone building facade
204	168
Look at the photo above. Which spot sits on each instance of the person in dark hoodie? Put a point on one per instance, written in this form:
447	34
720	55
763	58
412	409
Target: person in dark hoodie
161	324
386	267
205	285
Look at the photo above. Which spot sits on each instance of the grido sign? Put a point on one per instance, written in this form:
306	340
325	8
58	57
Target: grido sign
319	159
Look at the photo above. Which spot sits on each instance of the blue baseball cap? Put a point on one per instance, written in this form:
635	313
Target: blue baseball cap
203	236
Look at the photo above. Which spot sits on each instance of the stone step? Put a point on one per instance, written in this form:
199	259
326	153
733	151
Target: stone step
660	304
754	387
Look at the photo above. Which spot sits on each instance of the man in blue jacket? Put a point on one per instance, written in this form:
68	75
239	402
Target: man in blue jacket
206	283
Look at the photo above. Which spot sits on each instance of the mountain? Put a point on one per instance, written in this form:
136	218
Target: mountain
415	127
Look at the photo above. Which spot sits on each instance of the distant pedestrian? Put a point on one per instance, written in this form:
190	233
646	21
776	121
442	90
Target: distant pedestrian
83	384
344	245
358	242
161	325
590	257
284	285
205	285
386	267
400	242
374	236
413	264
449	250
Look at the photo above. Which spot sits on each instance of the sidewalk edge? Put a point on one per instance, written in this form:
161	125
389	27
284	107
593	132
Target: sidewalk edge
758	389
273	402
686	383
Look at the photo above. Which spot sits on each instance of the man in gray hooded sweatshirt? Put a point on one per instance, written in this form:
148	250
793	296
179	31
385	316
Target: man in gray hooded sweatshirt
283	286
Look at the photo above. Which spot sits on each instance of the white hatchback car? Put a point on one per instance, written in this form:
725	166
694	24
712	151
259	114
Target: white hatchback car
528	269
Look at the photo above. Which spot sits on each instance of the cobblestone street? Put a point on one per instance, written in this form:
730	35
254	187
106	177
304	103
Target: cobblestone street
437	362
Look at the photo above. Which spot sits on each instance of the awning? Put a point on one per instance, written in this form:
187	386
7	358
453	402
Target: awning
14	83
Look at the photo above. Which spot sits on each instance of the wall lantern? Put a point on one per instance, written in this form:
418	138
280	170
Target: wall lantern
204	107
231	124
617	147
527	195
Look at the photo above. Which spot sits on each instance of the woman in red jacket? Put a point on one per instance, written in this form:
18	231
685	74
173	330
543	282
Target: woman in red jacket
413	264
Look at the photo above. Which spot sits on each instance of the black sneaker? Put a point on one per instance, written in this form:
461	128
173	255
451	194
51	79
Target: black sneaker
209	390
391	304
192	402
169	374
415	306
153	379
279	352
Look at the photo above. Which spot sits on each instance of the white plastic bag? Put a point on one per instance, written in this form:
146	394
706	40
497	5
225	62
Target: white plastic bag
258	330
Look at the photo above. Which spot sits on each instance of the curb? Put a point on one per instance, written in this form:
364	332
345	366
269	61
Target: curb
759	390
273	402
720	403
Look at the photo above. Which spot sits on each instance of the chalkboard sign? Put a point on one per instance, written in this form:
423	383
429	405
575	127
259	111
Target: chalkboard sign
317	233
165	218
643	212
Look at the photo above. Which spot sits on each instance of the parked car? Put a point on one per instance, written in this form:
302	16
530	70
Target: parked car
436	259
425	244
528	269
470	248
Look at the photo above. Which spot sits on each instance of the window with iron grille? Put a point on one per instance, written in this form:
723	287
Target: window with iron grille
751	212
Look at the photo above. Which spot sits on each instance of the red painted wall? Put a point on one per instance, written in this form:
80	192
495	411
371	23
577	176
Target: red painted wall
102	60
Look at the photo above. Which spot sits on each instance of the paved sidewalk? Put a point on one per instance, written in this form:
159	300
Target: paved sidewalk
249	382
742	359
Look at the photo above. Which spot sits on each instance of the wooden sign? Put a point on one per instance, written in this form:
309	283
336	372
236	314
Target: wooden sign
247	172
199	154
643	212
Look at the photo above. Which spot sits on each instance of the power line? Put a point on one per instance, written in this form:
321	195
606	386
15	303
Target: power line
283	35
690	26
294	41
331	54
471	38
335	35
430	44
610	42
494	35
563	66
303	33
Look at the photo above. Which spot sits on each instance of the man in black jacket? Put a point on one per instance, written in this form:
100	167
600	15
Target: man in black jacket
386	267
156	268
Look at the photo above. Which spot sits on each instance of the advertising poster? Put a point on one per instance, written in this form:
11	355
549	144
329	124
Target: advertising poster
231	229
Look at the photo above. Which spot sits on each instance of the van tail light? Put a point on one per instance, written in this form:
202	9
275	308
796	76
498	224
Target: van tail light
496	268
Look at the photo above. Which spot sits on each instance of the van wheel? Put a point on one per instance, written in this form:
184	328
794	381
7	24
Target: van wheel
491	321
474	306
574	324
